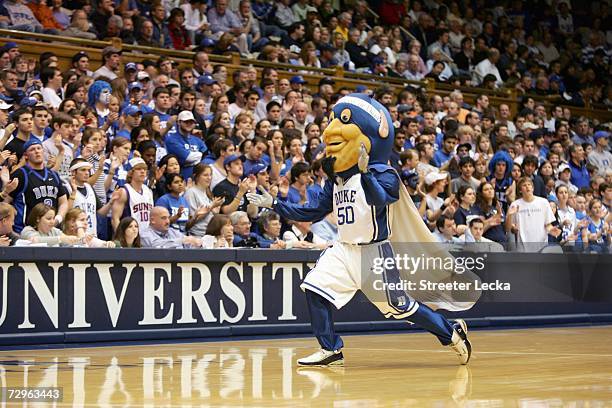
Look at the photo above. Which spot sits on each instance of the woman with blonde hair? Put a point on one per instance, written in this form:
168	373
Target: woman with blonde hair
308	57
483	147
75	224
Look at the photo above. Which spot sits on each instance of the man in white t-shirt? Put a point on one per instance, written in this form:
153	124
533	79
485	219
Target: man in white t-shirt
530	218
51	79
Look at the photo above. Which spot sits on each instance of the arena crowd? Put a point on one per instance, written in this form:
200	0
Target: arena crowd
152	154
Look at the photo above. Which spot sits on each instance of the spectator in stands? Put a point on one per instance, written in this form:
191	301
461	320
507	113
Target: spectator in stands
178	34
41	229
51	79
21	17
222	20
445	231
530	217
219	232
601	157
530	165
466	197
135	199
270	227
243	237
202	204
466	178
597	233
577	164
158	234
36	184
181	142
492	212
175	202
160	27
231	188
7	219
111	58
127	234
486	67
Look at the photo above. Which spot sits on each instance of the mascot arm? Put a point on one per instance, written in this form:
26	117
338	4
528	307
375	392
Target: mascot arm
297	212
381	187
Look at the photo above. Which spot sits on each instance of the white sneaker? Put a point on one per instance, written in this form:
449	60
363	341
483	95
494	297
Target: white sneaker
460	343
323	358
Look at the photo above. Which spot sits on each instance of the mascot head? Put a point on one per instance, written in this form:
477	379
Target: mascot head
357	119
99	91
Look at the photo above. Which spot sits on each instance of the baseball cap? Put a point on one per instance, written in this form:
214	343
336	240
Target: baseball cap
185	116
361	88
536	134
256	169
297	79
328	47
110	50
563	167
4	105
28	102
601	133
79	55
230	159
136	161
466	145
206	80
36	92
207	42
142	75
134	85
131	110
31	142
327	81
378	61
9	46
403	108
434	176
130	66
529	125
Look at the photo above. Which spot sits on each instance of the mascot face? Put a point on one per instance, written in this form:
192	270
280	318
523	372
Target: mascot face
358	119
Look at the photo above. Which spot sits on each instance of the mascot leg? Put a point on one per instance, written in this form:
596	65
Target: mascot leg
322	322
452	335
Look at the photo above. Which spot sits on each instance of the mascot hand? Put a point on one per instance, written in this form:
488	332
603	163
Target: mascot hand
364	159
328	167
261	200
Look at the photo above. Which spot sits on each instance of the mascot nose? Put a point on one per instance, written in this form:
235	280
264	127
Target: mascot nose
333	129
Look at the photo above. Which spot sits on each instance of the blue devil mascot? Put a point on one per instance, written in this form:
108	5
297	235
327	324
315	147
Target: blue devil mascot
370	204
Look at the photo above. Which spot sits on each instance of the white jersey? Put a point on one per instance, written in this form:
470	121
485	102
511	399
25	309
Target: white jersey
139	204
87	203
359	222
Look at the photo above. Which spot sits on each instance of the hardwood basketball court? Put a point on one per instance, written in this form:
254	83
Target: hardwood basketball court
527	367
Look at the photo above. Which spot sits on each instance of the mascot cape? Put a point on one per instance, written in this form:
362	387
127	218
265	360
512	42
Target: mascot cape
409	234
408	230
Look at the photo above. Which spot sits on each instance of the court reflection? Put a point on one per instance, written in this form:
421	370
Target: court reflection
194	374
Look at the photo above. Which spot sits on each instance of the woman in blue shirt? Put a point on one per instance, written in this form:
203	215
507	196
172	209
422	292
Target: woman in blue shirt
174	202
